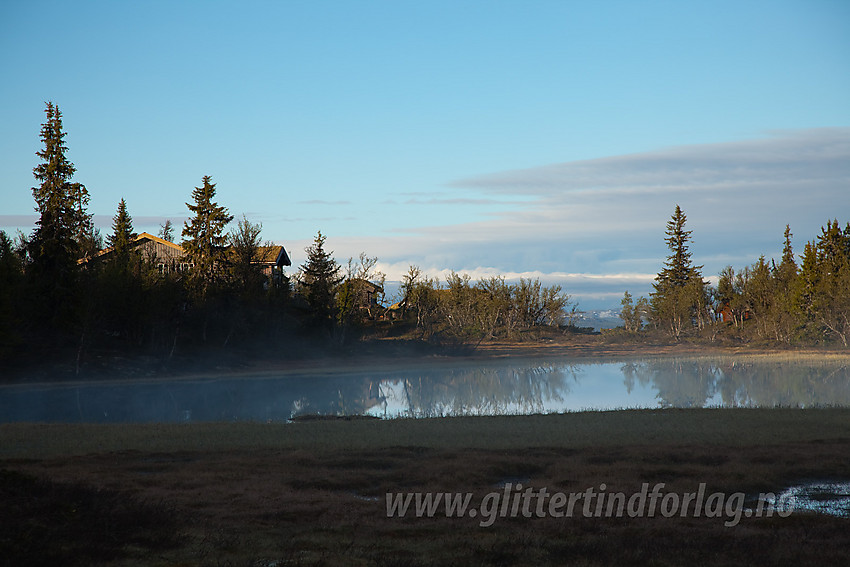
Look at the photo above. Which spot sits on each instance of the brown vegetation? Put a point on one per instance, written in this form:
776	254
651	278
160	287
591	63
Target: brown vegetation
313	493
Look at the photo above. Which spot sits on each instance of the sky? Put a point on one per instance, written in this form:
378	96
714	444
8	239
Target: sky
548	139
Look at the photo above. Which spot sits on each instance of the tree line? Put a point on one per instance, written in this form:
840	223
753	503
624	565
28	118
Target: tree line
488	309
58	299
782	303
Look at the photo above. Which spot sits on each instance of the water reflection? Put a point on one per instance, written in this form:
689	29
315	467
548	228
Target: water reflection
507	389
832	498
689	383
516	387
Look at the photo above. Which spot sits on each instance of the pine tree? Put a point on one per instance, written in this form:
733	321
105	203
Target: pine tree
679	295
122	230
204	237
320	279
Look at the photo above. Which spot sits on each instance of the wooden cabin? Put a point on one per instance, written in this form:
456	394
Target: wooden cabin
167	256
723	314
272	259
366	295
170	257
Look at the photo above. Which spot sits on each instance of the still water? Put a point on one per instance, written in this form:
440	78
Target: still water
519	386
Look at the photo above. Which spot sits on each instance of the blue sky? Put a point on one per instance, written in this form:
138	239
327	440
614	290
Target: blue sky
548	139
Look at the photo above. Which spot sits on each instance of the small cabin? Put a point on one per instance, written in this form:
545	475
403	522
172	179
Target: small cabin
365	295
723	314
272	259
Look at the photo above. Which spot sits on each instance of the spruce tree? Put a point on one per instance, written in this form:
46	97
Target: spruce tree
64	230
679	295
320	279
788	266
783	314
204	236
677	271
122	230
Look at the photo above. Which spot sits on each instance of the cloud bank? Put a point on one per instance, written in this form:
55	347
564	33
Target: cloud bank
606	217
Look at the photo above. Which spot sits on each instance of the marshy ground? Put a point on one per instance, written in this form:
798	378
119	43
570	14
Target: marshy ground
314	492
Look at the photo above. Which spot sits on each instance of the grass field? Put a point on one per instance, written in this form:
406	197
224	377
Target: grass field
314	492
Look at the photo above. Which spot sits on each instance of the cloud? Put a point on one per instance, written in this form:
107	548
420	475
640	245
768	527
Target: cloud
14	221
27	222
801	158
103	220
322	202
451	198
610	213
454	201
585	224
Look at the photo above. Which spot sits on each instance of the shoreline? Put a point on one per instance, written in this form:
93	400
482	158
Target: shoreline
386	355
581	429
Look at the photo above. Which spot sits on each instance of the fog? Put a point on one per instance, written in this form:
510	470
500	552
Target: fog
493	388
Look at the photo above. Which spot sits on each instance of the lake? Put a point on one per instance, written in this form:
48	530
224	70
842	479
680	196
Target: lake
517	386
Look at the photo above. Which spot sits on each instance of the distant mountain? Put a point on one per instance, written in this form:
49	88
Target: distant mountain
600	319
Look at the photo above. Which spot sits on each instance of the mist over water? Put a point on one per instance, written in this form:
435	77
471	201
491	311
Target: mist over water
491	388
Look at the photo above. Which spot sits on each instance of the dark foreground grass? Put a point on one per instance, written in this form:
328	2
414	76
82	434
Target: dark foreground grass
314	493
52	523
731	427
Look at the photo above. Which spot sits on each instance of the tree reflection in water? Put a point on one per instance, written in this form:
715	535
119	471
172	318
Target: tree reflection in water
494	388
732	383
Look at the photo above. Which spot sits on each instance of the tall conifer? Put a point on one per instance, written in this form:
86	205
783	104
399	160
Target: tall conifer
204	236
679	295
64	227
122	230
320	279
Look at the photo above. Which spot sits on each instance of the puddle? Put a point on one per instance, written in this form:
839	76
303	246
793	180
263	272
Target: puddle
831	498
366	498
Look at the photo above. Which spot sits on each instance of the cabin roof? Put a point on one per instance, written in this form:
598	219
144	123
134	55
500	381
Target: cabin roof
273	255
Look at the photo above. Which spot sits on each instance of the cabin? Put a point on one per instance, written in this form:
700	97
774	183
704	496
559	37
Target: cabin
272	259
169	257
369	295
723	314
365	296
